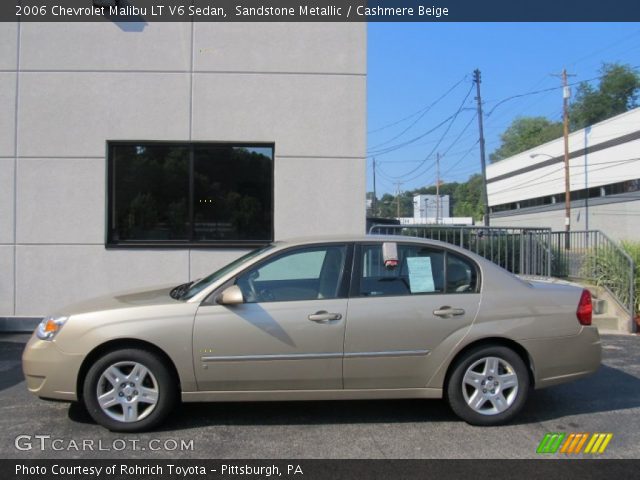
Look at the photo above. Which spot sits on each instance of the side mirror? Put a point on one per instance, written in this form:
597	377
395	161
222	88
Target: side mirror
230	296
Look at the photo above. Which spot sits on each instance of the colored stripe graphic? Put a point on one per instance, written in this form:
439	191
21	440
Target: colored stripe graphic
574	443
598	443
556	442
550	443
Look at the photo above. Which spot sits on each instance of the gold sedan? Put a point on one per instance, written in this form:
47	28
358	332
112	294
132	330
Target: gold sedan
333	318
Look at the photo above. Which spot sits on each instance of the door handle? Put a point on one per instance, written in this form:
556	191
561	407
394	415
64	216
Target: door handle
324	316
447	311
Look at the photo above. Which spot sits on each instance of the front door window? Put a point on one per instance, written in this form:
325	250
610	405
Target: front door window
303	274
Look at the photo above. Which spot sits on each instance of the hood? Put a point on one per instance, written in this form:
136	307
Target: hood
158	295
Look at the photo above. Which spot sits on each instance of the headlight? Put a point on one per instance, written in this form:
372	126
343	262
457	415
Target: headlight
49	327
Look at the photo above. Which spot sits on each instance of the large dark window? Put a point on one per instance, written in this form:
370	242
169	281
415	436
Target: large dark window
189	194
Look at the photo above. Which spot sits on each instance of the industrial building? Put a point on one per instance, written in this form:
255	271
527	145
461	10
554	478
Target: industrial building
431	206
528	189
142	153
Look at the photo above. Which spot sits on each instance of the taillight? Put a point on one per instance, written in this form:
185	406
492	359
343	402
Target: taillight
585	308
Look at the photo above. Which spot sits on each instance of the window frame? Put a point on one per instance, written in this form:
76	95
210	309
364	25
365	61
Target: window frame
345	280
356	273
190	242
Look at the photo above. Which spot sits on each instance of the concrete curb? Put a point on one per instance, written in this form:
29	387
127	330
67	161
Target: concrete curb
19	324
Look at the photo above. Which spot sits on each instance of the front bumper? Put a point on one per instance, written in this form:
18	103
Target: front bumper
50	372
563	359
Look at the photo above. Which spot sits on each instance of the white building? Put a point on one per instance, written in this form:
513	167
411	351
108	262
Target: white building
528	189
427	210
144	153
430	206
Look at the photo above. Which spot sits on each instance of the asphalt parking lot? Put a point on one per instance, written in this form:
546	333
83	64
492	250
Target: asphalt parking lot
606	402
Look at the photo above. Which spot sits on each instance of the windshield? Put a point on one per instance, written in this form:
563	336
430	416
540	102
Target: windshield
208	280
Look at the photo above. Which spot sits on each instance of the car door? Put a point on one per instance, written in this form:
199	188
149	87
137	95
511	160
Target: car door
397	316
289	332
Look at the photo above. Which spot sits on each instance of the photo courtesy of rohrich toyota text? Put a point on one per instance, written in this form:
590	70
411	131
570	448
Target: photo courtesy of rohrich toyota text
311	239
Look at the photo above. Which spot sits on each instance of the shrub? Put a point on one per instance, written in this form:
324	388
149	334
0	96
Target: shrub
608	268
633	250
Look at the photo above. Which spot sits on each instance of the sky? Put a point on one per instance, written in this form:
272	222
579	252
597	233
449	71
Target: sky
420	76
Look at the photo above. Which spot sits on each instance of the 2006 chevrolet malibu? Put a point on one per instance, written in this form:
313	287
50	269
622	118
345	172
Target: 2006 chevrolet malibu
322	319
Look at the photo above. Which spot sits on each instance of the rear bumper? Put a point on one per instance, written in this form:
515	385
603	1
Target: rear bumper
560	360
50	372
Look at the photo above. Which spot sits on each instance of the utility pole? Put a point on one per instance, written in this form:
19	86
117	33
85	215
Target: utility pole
437	188
485	200
398	184
567	187
566	93
373	200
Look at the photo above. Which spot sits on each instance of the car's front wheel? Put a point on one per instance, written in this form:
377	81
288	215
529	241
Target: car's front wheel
488	385
129	390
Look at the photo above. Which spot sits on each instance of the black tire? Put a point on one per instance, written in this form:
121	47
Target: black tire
160	377
455	393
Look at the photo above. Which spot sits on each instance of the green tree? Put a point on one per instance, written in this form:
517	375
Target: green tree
617	93
525	133
468	198
388	205
465	199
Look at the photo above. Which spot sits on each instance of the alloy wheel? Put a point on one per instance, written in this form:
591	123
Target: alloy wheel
490	385
127	391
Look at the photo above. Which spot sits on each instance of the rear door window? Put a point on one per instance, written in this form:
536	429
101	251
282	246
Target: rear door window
420	270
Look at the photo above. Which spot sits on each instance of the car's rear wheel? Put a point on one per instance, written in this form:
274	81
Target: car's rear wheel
488	385
129	390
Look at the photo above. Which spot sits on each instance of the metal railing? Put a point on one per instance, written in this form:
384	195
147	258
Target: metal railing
594	257
523	251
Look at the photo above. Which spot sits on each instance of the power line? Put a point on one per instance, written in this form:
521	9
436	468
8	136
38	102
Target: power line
421	116
609	46
421	111
468	152
383	174
466	127
396	147
453	119
415	139
550	89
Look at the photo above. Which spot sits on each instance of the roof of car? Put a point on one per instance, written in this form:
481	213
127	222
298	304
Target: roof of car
344	238
359	238
380	238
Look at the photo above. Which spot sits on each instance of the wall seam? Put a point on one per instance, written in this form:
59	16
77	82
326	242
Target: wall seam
59	157
61	244
191	63
191	70
101	157
15	172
